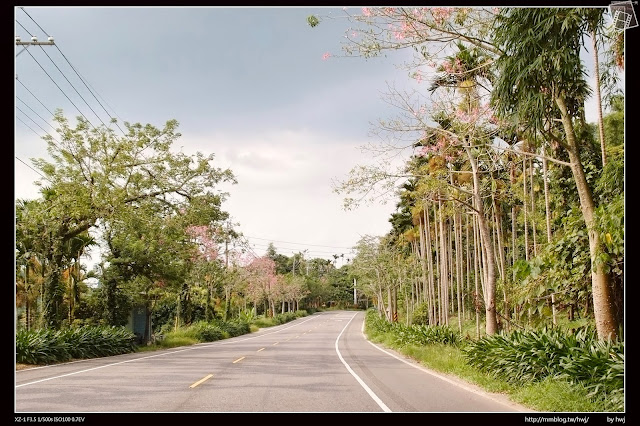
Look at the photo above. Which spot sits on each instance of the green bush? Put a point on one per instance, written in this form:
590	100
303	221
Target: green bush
207	332
529	356
235	328
416	334
421	314
46	346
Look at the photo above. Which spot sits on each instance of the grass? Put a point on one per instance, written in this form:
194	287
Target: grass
552	394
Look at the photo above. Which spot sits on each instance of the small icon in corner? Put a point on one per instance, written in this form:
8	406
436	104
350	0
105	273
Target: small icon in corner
623	15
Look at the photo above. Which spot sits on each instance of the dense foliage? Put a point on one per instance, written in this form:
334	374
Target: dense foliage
527	356
46	346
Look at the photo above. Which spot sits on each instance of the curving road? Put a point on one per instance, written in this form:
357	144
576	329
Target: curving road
320	363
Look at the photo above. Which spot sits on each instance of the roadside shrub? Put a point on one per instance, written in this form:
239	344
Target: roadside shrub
284	318
530	356
235	328
46	346
207	332
421	314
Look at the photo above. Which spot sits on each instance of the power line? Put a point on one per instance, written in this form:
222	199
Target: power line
52	114
78	74
73	87
41	137
25	12
90	91
43	176
18	108
45	71
18	98
295	250
304	244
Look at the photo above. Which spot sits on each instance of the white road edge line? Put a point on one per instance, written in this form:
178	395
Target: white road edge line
362	383
424	370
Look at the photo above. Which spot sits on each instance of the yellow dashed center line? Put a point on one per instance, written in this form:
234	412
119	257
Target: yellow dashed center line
238	360
275	343
207	377
261	349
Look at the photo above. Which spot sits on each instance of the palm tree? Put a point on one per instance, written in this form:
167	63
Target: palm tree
541	80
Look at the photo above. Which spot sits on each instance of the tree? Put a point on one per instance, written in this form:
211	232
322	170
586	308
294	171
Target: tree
95	176
541	79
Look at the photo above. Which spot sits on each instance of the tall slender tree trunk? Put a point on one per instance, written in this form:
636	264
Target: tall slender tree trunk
423	265
477	275
432	297
500	257
436	244
547	210
444	278
468	274
524	209
451	267
596	72
456	223
603	308
533	209
485	238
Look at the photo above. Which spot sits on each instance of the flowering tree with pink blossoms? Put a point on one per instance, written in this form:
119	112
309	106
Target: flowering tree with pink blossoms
261	282
449	123
207	270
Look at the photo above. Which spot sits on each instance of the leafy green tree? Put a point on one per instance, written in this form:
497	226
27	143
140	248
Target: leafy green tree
283	263
541	80
95	175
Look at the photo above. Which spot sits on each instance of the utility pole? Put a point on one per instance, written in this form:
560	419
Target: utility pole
226	247
34	41
355	297
306	262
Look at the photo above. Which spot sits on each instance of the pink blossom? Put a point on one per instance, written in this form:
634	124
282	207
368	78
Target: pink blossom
326	56
207	244
440	14
366	11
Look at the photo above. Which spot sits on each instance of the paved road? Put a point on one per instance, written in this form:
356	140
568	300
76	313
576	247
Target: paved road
319	363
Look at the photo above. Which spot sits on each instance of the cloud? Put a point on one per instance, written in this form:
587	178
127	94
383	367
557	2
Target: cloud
284	188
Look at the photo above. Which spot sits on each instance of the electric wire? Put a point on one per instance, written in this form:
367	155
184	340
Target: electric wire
304	244
72	86
27	105
19	81
51	78
90	91
18	108
83	80
20	160
247	244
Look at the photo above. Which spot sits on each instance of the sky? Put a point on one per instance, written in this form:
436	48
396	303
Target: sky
253	86
268	95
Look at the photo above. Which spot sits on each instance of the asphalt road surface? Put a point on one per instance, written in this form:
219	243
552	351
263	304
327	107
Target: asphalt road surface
319	363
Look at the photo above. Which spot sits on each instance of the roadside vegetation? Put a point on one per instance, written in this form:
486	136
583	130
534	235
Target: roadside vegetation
552	370
504	263
546	369
47	346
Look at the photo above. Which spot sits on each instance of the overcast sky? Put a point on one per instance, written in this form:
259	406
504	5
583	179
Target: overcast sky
249	85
